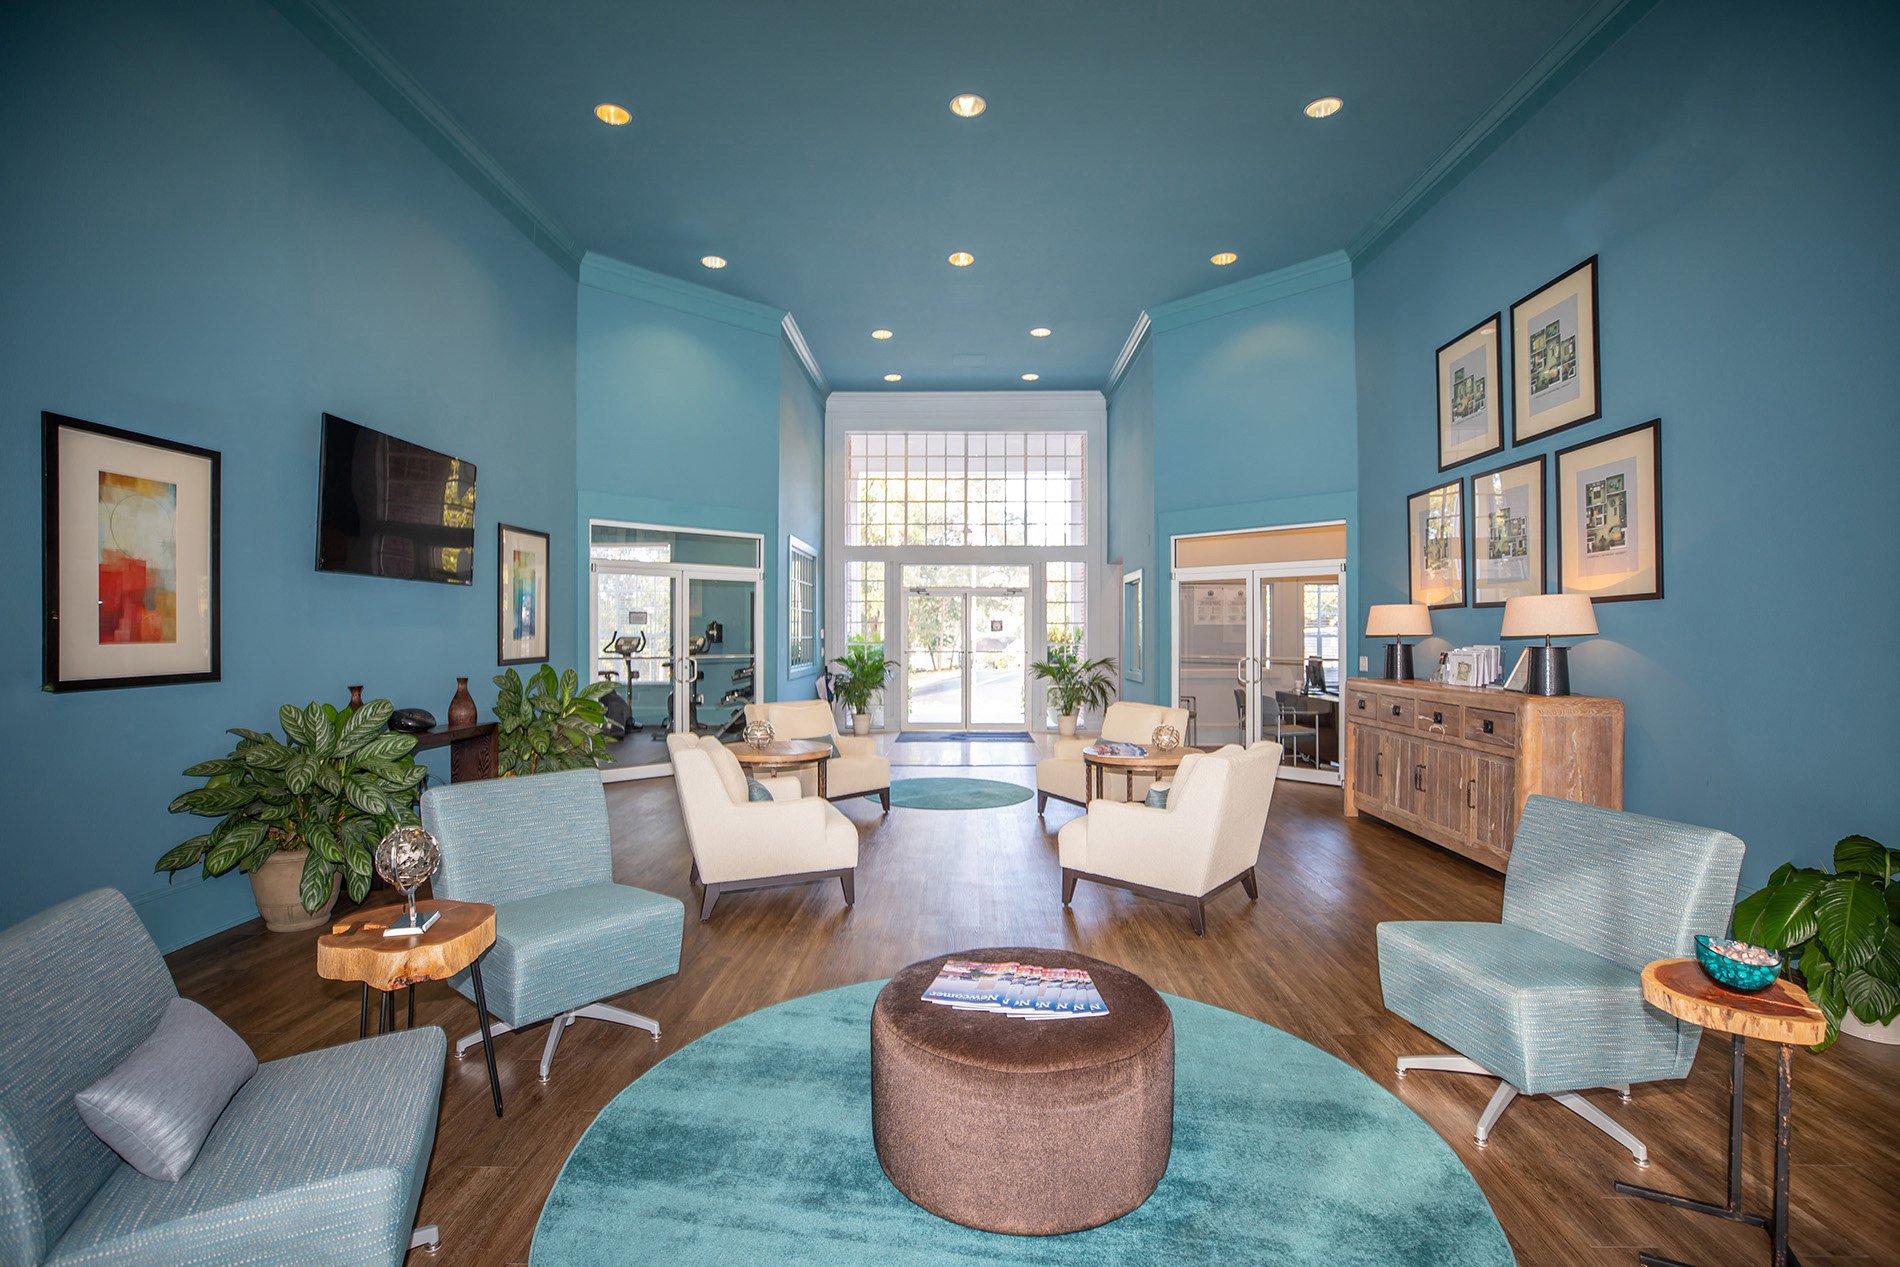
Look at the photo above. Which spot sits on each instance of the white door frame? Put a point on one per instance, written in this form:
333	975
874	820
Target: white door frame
966	593
1251	575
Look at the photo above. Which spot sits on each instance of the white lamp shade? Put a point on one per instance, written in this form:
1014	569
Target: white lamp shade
1549	616
1399	620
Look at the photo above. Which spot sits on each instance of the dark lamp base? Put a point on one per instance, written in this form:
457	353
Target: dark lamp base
1549	671
1398	662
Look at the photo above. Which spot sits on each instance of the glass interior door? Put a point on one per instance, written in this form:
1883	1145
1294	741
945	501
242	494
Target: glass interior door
1297	652
1215	665
934	653
721	647
999	660
634	649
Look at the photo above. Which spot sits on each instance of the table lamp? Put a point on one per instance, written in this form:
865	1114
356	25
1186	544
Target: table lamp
1549	616
1396	621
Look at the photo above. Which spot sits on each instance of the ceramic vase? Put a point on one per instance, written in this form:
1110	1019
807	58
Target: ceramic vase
462	707
860	724
275	885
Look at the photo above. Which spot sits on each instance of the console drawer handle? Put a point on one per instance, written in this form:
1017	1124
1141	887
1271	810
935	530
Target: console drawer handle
1488	726
1395	710
1471	794
1438	718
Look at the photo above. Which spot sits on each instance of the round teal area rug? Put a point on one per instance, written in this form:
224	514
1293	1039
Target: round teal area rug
753	1146
955	794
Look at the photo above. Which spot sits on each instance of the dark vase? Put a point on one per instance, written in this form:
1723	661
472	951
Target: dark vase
356	698
462	707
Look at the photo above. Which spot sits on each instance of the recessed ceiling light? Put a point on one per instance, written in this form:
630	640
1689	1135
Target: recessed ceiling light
968	105
713	261
1030	378
1223	259
893	378
1040	332
880	334
609	113
1323	107
963	259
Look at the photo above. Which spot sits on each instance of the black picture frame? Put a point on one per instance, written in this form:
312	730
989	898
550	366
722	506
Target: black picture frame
504	588
1413	556
56	671
1543	524
1654	427
1518	435
1440	389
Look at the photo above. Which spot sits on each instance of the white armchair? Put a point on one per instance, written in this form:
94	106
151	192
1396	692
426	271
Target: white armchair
739	843
1062	775
857	770
1205	839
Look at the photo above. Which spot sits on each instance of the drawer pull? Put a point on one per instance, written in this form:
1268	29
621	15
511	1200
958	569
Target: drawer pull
1378	759
1489	726
1436	728
1395	710
1418	778
1438	719
1471	794
1362	705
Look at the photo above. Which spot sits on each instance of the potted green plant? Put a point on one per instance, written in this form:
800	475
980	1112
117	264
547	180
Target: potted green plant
862	672
1839	932
302	816
1075	684
549	723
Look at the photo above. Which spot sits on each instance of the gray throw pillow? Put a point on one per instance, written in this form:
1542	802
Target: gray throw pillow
757	791
156	1108
1157	797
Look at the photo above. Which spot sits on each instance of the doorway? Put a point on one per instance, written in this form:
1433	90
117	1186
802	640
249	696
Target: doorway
966	658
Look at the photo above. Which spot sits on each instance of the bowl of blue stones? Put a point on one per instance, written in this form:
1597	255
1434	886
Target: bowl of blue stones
1736	964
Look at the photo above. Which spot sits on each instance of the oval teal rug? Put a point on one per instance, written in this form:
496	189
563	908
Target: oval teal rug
753	1146
955	794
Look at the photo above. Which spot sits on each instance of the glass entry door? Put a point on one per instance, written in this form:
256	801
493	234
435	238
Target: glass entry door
966	659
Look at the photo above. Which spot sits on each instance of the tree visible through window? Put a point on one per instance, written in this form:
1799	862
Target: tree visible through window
802	591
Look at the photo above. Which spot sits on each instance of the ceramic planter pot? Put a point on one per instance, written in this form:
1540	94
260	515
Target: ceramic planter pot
1889	1033
274	885
860	724
1065	724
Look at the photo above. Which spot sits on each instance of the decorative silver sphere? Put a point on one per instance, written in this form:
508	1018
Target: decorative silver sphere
1166	738
408	856
759	734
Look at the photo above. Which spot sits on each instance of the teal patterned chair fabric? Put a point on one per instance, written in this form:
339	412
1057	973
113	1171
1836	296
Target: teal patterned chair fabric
319	1158
1550	1000
566	936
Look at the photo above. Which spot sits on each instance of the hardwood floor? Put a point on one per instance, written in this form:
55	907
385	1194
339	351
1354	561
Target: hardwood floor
1301	958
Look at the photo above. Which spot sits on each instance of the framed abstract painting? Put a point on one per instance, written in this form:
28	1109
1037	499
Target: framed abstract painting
1435	525
130	573
1470	406
1609	515
522	585
1556	380
1507	533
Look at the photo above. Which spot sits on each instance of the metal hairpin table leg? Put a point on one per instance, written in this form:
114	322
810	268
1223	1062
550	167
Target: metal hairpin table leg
362	1025
412	1007
488	1044
386	1014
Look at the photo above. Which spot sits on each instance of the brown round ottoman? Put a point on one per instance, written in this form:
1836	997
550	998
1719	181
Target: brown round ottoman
1021	1126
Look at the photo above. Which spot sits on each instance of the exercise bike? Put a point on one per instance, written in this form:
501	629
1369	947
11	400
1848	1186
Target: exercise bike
619	706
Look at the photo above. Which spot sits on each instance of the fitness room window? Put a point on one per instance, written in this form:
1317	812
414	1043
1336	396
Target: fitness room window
802	621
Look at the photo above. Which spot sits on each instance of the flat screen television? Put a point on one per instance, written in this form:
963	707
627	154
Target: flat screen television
386	507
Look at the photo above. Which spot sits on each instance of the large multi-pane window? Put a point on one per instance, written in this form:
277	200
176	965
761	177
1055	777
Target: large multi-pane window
802	620
1320	625
965	488
1065	608
863	602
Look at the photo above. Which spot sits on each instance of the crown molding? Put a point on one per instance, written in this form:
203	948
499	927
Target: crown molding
795	339
964	408
1131	348
606	273
355	51
1595	30
1295	279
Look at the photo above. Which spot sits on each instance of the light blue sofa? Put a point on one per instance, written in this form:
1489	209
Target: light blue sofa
1550	1001
319	1158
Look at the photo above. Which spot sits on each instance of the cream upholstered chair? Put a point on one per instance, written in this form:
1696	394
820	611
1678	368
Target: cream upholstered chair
857	770
738	843
1062	774
1205	838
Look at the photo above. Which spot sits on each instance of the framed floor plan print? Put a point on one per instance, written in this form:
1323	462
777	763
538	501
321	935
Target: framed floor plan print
131	558
1556	381
1435	525
1609	515
1470	407
1507	533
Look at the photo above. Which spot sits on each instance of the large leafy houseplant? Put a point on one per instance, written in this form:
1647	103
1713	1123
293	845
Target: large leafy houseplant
1075	683
862	671
1839	930
548	723
336	784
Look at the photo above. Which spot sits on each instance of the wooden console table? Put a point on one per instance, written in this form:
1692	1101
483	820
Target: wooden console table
1454	764
473	753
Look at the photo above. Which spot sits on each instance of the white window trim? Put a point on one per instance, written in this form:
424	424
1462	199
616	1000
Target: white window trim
795	546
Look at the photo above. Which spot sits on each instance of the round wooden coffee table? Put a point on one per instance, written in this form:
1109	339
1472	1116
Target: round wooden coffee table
1152	763
356	949
785	754
1781	1014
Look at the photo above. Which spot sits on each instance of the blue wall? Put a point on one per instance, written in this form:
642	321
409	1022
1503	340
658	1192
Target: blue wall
801	500
1732	164
1131	503
213	236
1255	418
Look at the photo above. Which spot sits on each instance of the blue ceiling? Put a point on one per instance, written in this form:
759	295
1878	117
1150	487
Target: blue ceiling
812	146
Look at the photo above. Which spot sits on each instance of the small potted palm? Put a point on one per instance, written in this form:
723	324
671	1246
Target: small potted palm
1075	685
862	672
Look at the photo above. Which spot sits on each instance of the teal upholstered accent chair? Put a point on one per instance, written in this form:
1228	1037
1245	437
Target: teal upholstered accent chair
1550	1001
319	1158
566	936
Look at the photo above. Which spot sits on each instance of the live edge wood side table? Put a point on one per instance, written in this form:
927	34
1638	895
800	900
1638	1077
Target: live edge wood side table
355	949
1781	1014
1153	764
785	754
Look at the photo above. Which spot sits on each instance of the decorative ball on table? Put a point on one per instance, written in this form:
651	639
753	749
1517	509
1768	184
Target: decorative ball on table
406	857
759	734
1736	964
1166	738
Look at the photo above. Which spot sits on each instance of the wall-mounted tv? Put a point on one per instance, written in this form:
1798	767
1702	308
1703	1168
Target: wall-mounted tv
386	507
